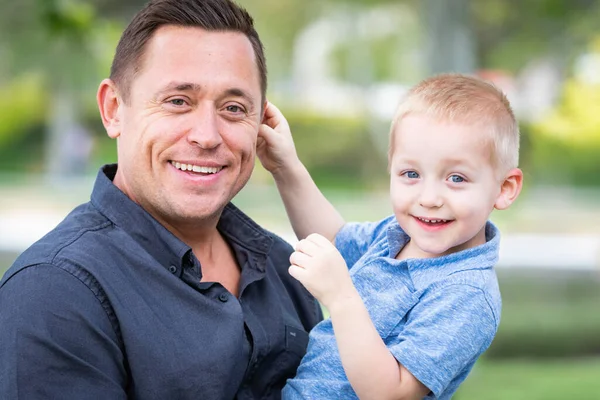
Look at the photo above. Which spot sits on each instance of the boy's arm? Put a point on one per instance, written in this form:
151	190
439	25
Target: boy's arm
371	369
307	209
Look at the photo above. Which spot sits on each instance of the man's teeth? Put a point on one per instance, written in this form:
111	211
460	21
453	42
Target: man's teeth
196	168
433	221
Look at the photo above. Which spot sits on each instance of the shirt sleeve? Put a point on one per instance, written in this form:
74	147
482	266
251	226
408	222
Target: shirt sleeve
445	332
353	240
56	339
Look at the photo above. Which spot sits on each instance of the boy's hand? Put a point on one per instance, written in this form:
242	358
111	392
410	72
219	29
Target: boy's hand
275	146
320	267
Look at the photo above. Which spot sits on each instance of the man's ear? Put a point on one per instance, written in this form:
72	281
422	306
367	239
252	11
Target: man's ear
264	111
110	106
510	189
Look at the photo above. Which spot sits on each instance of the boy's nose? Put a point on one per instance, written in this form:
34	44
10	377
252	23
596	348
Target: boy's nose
430	196
205	132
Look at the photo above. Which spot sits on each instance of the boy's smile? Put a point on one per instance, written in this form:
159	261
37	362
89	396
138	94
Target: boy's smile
433	224
443	185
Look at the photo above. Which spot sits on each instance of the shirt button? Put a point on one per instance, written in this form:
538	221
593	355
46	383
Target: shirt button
172	269
224	297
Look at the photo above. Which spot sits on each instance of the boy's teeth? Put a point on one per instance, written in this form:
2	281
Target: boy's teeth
432	221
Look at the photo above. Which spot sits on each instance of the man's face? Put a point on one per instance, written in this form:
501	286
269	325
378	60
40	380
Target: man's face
443	184
188	133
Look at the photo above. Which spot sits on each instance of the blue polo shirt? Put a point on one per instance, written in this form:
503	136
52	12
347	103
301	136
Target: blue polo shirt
109	305
435	315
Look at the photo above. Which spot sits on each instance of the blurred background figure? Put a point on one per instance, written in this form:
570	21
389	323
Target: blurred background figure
337	69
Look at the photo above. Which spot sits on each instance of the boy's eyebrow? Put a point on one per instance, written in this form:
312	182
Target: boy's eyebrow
407	160
457	161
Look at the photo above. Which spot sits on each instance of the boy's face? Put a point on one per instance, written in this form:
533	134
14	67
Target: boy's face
443	185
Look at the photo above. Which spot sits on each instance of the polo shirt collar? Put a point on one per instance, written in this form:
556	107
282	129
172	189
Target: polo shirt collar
425	271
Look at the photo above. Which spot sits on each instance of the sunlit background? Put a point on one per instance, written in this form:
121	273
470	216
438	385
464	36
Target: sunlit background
337	69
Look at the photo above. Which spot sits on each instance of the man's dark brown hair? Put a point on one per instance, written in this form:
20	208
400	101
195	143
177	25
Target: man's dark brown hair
211	15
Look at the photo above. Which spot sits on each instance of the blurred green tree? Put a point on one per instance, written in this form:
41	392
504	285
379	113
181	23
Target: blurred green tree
53	39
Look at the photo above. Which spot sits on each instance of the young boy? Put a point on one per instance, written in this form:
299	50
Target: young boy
413	299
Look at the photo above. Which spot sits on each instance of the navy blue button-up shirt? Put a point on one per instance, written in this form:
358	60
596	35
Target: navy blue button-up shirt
109	305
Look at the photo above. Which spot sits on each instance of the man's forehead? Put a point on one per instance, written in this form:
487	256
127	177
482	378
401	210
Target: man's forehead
190	55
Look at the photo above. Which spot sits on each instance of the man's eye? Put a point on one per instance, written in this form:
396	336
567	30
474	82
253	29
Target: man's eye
177	102
234	109
456	179
411	174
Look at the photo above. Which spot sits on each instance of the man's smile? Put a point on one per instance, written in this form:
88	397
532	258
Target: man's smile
196	168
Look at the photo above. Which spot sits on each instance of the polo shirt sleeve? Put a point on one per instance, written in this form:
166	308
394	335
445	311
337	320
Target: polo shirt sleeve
353	240
446	331
56	339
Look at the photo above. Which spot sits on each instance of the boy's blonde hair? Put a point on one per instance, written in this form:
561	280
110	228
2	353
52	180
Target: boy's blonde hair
462	99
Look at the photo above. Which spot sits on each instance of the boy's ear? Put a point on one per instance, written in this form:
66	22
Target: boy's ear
109	104
510	189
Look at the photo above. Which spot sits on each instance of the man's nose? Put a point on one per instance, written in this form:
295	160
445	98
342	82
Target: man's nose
431	195
205	131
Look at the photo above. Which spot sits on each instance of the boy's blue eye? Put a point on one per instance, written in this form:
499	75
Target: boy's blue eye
411	175
456	179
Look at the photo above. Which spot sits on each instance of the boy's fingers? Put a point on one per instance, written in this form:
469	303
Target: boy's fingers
274	117
318	240
298	258
296	272
307	246
265	131
273	111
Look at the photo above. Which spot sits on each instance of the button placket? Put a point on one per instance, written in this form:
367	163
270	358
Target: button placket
224	297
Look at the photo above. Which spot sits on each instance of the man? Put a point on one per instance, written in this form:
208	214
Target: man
159	288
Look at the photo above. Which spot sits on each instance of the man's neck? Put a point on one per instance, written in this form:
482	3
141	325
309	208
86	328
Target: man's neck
218	262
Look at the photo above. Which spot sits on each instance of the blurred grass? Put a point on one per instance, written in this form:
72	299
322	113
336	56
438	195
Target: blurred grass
533	380
548	314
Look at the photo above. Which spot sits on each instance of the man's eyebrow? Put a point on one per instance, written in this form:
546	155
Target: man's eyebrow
181	87
194	87
236	92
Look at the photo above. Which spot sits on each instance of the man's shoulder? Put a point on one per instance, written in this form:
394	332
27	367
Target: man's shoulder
280	245
240	227
67	240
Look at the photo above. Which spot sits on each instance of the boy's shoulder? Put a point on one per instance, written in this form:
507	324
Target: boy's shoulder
371	231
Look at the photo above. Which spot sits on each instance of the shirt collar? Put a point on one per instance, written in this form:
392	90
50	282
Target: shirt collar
243	232
424	271
154	238
129	216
